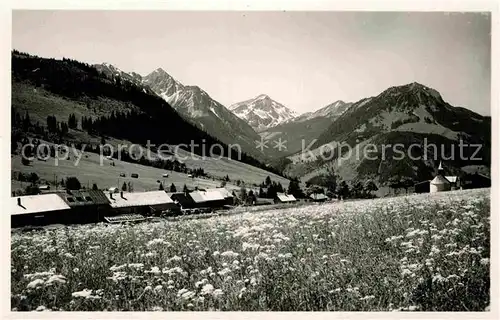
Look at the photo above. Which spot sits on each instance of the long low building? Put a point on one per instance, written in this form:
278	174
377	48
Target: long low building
149	202
38	210
85	206
284	198
208	199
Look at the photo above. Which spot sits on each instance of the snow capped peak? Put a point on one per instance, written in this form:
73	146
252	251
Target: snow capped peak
262	112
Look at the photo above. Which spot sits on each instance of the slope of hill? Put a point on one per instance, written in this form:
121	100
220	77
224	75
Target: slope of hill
262	112
406	115
299	132
115	106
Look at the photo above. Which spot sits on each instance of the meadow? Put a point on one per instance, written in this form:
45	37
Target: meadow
427	252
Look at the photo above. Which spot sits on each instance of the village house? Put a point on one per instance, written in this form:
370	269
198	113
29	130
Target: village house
475	180
86	205
182	199
208	199
318	197
38	210
284	198
140	203
226	194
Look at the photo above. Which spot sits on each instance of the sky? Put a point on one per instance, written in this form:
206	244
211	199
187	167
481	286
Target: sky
304	60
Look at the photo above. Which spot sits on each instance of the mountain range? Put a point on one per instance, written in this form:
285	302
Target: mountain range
108	102
411	114
406	114
196	106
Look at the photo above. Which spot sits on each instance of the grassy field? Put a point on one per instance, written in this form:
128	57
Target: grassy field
416	253
89	171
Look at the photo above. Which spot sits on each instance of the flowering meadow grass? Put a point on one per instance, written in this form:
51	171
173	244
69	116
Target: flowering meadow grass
417	253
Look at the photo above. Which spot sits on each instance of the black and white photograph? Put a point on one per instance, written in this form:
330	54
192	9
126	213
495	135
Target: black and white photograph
250	160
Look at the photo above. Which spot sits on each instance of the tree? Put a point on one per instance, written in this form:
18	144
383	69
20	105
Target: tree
52	123
268	181
343	190
173	188
161	186
243	194
94	187
331	180
223	184
26	121
124	186
185	189
357	190
251	199
294	188
394	183
72	122
130	187
370	187
33	178
261	193
406	183
72	183
64	128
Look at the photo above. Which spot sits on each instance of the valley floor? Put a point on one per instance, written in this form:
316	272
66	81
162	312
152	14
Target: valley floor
427	252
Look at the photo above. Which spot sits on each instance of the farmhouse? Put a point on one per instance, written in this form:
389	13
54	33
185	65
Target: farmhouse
86	205
284	198
228	196
422	187
145	203
208	199
38	210
182	199
318	197
476	180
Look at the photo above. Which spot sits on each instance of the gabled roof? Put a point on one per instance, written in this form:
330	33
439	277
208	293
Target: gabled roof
38	203
138	199
223	191
451	179
439	179
285	197
204	196
318	196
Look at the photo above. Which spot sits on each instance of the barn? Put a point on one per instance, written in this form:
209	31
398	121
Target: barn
228	196
476	180
38	210
318	197
182	199
208	199
284	198
86	205
143	203
422	187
